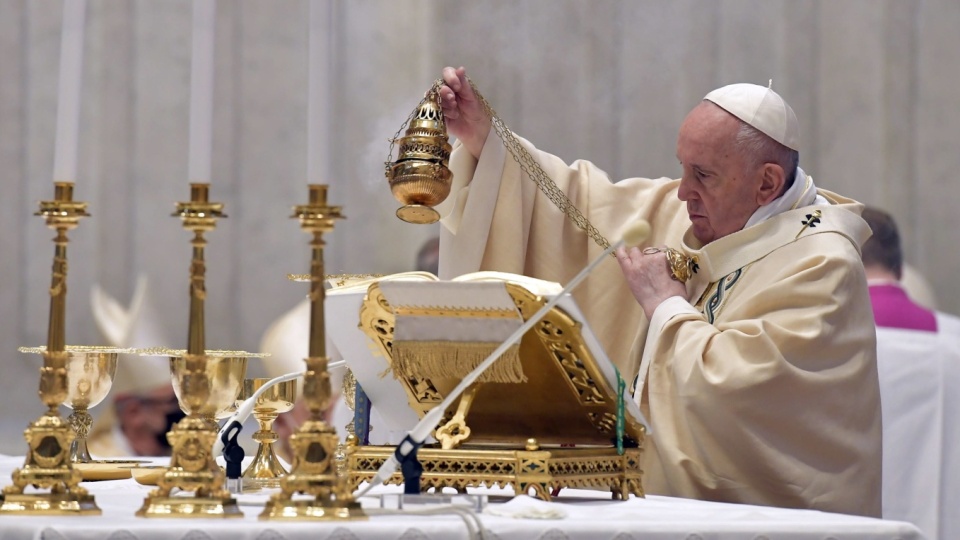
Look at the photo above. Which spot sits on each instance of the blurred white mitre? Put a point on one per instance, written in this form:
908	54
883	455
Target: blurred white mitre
138	326
287	340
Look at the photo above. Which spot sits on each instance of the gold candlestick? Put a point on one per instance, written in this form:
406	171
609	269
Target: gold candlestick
201	380
47	465
315	443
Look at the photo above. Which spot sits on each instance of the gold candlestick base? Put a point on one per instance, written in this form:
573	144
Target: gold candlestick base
315	474
205	384
192	468
48	467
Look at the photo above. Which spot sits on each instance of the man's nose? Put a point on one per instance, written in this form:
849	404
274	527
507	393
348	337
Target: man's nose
684	191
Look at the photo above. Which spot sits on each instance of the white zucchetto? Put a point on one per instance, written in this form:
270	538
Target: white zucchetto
761	108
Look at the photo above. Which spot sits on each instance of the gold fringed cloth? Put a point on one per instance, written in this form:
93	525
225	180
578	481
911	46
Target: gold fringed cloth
444	329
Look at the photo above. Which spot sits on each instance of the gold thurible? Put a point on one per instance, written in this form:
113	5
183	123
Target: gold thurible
314	472
198	377
420	177
47	464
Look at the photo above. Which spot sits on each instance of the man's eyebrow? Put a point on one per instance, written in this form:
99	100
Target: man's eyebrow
700	168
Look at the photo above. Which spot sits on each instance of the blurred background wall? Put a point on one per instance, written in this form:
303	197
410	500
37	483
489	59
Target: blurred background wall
873	83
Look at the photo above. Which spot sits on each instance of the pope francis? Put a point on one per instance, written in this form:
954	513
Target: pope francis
758	374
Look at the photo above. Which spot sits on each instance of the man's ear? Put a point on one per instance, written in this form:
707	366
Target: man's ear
772	182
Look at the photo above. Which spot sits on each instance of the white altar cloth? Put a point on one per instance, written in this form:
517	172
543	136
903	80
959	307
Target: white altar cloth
587	515
920	398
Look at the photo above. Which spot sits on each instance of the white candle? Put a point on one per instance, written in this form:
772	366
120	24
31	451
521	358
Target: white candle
68	103
318	134
201	90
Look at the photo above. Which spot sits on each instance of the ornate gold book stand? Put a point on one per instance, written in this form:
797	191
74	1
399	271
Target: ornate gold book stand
556	426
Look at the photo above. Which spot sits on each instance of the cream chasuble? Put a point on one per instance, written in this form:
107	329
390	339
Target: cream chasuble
761	387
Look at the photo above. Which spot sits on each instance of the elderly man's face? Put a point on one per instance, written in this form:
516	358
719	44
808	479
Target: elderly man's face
721	194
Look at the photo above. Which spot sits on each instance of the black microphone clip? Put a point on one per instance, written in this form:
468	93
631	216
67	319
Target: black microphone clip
233	454
410	466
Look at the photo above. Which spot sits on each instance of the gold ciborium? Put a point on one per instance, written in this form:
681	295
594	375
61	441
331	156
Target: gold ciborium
90	373
420	177
266	470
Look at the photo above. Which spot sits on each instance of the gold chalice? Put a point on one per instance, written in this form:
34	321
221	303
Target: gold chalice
266	470
90	373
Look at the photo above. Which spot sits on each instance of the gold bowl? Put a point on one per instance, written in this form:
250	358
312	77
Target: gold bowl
278	399
90	375
214	387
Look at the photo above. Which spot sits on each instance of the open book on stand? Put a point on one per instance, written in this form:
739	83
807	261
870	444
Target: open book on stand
555	398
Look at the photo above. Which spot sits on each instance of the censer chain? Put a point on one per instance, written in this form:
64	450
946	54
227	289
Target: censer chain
536	173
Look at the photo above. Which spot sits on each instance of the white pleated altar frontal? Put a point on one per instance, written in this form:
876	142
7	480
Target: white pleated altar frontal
574	515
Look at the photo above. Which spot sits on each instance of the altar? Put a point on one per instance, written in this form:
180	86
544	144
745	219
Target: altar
575	514
574	421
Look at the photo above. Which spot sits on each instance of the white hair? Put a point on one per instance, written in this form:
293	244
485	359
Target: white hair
761	148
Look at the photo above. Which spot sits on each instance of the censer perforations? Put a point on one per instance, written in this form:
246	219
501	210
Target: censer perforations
420	177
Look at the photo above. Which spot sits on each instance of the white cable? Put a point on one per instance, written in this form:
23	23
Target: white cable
635	235
470	518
